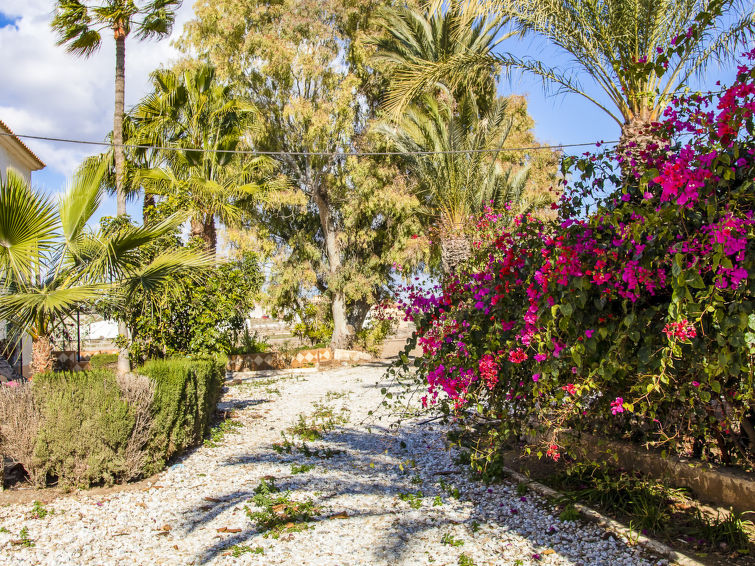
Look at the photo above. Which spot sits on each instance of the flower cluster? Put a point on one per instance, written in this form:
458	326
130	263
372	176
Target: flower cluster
682	330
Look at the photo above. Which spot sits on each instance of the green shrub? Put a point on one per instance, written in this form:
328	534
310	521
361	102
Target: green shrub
85	427
103	361
186	394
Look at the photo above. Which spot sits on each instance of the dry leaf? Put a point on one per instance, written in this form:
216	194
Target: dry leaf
166	528
341	515
213	499
549	551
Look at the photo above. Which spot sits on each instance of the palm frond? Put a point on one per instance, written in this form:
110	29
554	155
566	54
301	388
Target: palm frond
27	227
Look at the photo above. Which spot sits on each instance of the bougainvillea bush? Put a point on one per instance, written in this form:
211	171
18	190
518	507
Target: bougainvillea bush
630	314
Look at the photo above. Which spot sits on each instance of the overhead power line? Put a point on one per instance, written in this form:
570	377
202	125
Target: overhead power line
310	153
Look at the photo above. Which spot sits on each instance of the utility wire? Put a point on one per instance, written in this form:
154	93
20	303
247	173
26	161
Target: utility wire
309	153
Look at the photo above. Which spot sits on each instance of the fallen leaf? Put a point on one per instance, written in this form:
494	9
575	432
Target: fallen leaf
227	530
142	505
549	551
205	508
175	546
213	499
162	533
289	525
341	515
166	528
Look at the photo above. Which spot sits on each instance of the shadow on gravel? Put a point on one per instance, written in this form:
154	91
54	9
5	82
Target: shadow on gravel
386	450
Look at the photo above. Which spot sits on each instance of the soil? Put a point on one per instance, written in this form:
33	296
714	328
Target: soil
543	471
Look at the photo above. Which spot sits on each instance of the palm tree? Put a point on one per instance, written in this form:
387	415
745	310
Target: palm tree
638	52
202	124
455	156
412	37
79	24
52	264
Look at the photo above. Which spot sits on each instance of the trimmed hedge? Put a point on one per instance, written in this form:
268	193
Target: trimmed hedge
92	428
103	361
186	394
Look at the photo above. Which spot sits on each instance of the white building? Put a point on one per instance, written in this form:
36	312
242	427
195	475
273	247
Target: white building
14	154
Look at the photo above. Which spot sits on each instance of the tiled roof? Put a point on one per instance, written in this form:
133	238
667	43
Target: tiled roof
22	144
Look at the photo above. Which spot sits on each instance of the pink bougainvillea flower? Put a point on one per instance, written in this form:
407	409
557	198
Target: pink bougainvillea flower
617	406
683	330
589	333
535	377
517	356
540	357
570	389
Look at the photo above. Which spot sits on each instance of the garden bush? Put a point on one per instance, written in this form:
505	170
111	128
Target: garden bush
103	361
630	314
87	428
186	394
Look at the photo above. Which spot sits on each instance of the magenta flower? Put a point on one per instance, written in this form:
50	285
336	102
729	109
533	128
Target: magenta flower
617	406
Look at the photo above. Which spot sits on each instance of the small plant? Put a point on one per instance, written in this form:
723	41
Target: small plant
465	560
217	433
301	468
416	479
38	511
450	489
241	549
450	540
23	539
4	530
521	489
569	513
277	512
732	529
437	501
475	526
413	499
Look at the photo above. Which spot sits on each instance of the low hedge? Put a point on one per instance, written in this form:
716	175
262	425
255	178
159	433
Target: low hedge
186	394
86	428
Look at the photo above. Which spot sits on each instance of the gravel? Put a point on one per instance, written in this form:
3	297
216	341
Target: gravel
194	512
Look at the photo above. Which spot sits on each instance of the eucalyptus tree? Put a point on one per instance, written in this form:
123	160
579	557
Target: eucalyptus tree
80	25
52	263
456	154
639	53
201	126
303	64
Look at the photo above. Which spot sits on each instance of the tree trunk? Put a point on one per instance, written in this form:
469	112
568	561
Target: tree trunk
454	250
342	334
120	89
42	359
206	231
148	205
638	140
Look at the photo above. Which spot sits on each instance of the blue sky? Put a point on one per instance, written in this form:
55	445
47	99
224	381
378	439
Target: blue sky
46	91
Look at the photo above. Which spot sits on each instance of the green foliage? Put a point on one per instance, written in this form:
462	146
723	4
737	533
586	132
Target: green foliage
24	539
465	560
413	499
195	317
372	336
313	322
103	361
450	540
301	468
38	511
277	513
85	428
250	343
569	513
186	394
218	432
238	550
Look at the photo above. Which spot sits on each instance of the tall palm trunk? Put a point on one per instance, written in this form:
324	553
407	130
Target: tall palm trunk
638	137
342	334
204	229
120	93
42	359
124	365
148	205
455	247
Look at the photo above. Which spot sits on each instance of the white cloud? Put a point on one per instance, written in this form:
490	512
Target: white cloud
48	91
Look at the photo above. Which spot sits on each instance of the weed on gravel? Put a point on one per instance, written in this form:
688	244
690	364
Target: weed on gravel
218	432
277	513
301	468
39	511
238	550
413	499
321	421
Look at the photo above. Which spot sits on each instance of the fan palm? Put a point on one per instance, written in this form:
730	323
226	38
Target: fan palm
454	154
202	124
52	263
638	52
79	24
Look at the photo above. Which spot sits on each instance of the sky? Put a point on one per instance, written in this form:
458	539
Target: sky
48	92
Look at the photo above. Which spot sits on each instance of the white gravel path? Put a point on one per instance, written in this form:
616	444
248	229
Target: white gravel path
178	522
